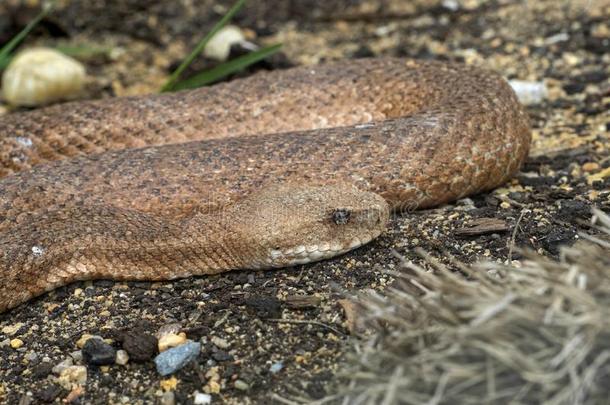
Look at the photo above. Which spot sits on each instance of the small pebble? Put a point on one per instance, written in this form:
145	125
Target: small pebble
171	340
241	385
16	343
168	398
98	352
452	5
83	339
169	329
221	355
529	93
219	46
64	364
220	342
121	357
31	357
72	376
77	355
590	167
202	399
169	384
175	358
276	367
10	330
48	393
212	387
42	369
73	395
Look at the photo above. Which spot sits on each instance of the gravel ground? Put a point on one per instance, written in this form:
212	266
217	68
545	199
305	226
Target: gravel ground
271	335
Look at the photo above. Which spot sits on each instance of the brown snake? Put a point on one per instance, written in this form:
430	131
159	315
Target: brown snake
165	186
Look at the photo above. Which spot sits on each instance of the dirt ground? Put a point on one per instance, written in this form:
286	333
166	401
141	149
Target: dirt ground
272	335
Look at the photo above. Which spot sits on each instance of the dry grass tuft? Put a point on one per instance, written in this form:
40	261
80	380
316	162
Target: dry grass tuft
529	335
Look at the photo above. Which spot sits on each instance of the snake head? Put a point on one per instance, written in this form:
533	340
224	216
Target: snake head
292	224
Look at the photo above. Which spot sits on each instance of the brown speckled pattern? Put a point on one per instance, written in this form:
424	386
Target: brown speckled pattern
418	133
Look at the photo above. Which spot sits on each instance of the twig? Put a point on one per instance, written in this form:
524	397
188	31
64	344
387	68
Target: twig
282	400
511	245
298	321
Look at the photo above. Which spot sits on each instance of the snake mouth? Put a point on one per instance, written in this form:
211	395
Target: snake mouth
304	254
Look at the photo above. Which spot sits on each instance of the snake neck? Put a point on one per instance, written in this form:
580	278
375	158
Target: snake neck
155	248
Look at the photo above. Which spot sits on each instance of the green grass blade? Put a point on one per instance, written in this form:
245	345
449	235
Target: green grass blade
225	69
4	63
74	51
83	51
169	85
8	48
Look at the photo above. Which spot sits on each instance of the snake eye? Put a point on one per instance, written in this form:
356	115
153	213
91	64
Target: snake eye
341	216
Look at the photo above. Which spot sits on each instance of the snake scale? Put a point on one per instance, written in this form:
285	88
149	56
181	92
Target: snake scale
277	169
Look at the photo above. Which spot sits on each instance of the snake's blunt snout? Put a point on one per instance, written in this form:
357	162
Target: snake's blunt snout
301	224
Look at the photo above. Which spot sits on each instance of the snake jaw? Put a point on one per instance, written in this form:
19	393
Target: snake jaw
301	254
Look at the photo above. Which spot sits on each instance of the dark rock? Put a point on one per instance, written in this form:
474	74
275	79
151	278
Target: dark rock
559	194
104	283
597	45
573	88
317	387
492	201
197	332
601	184
264	307
139	344
518	196
98	352
48	393
556	238
535	181
42	370
596	76
570	209
221	355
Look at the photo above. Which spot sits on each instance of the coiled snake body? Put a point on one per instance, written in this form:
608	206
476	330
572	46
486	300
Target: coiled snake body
276	169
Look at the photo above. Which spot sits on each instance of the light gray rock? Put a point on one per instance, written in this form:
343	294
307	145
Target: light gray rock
529	93
175	358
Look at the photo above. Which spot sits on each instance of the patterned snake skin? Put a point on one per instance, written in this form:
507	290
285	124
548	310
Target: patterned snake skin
273	170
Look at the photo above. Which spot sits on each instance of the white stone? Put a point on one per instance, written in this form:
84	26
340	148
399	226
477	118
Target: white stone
73	376
529	93
121	357
220	342
201	398
39	76
219	47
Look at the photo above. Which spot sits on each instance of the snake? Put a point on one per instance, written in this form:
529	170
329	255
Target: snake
277	169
